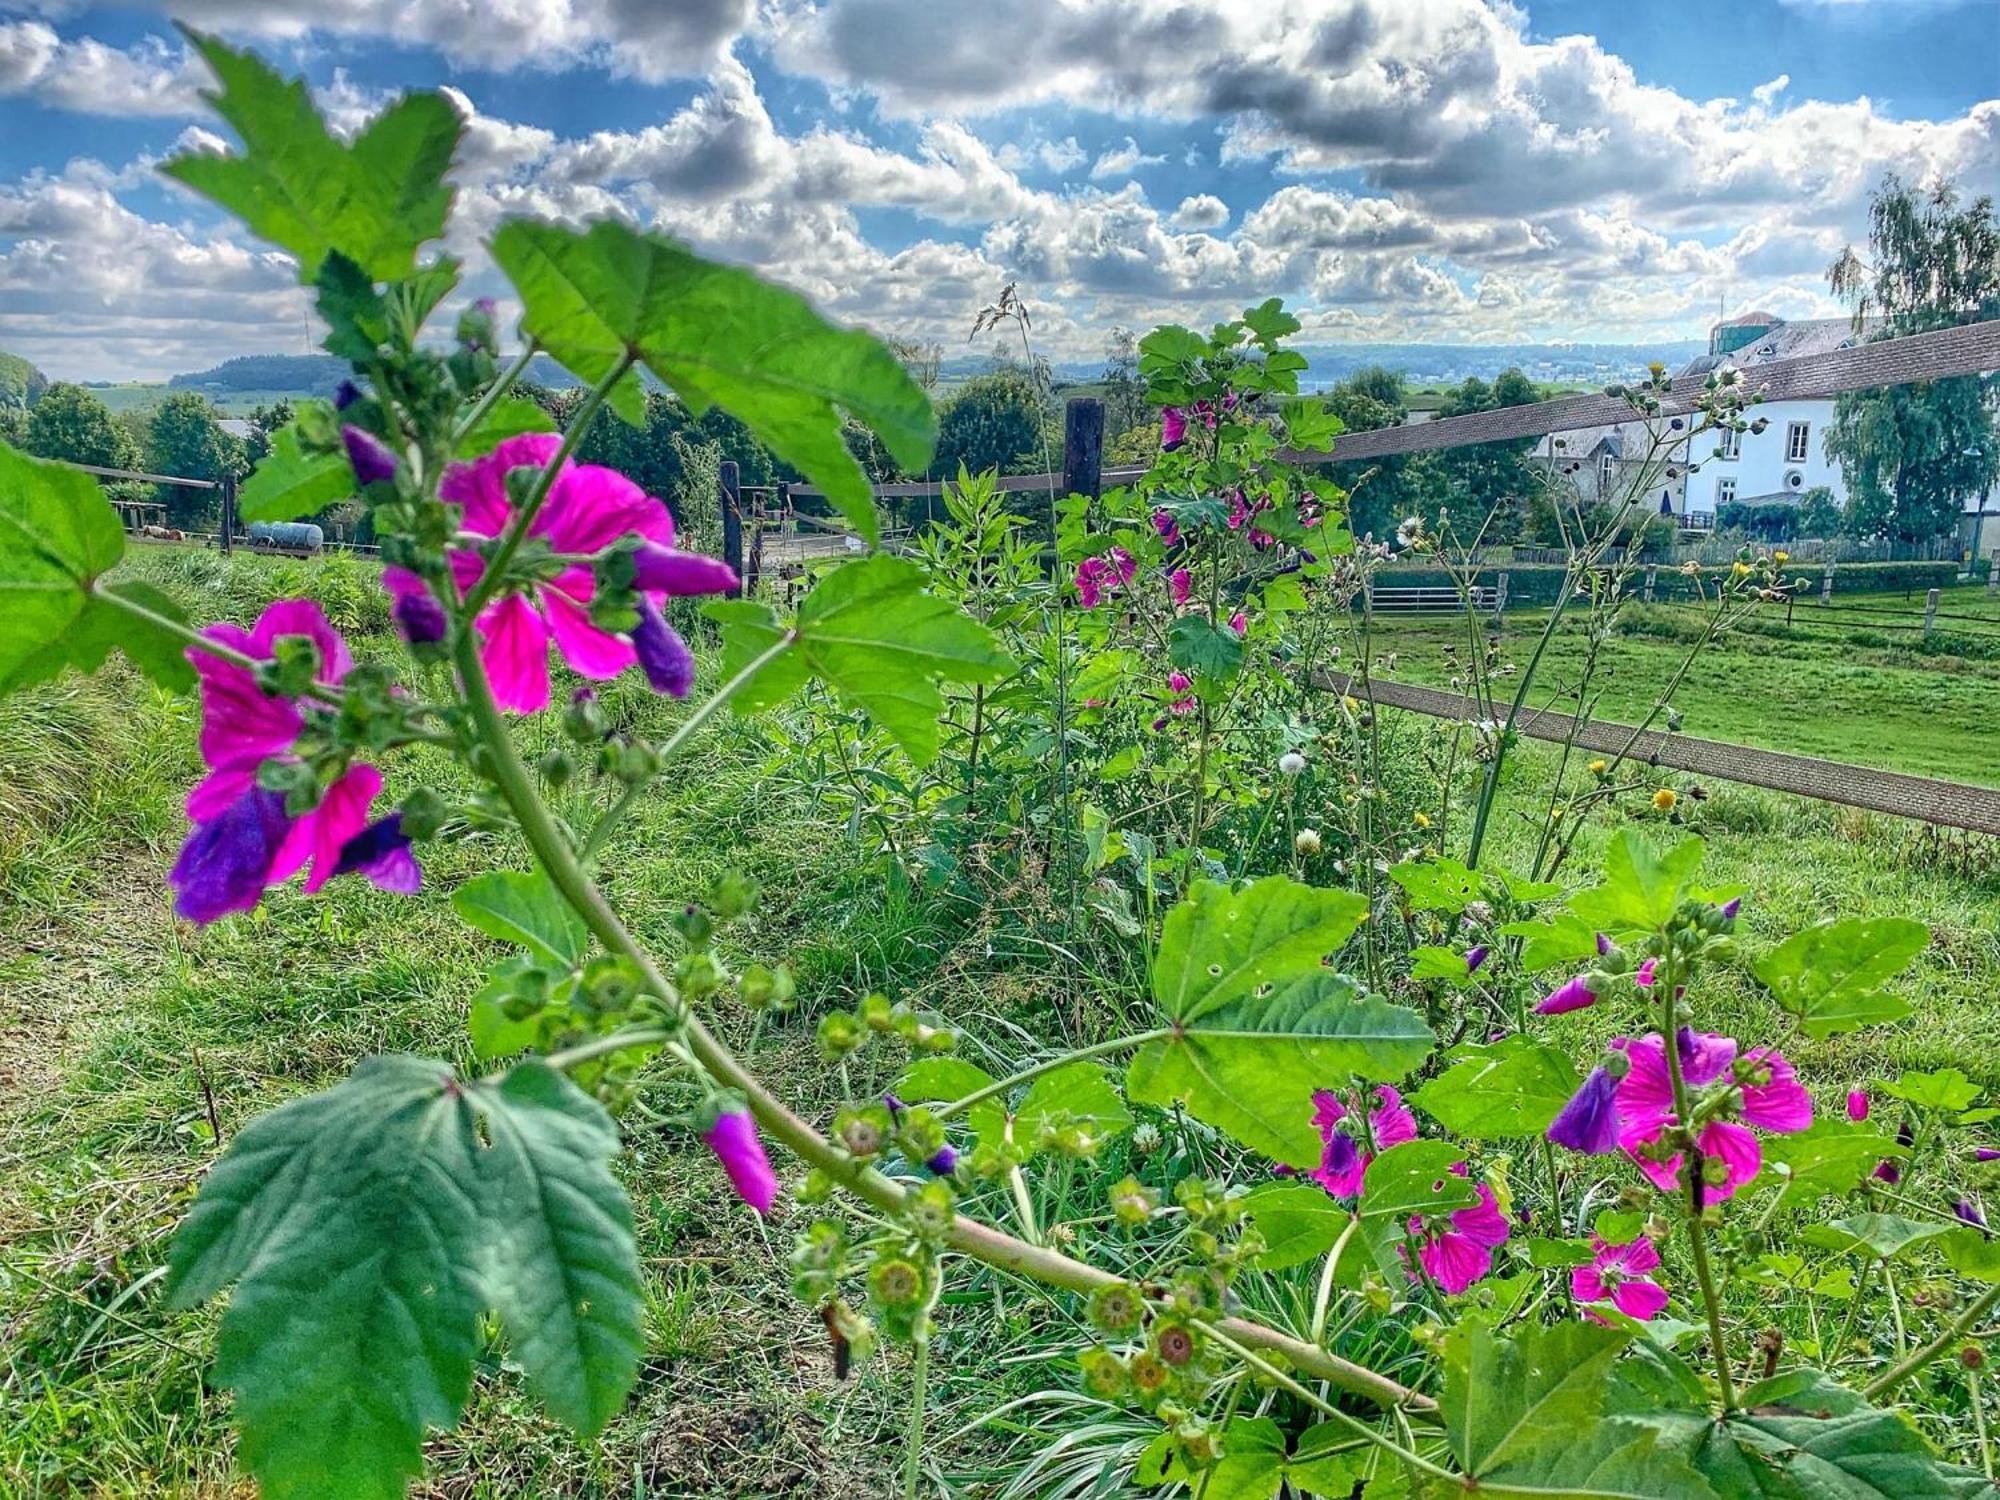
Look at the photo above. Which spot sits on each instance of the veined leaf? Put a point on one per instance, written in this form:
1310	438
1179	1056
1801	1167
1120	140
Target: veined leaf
291	482
941	1080
1605	1460
719	336
1641	886
1298	1220
1416	1178
1829	1156
1220	945
90	637
1852	1451
1437	884
1211	652
1830	975
1513	1400
1078	1094
58	534
521	907
1946	1089
375	201
562	1270
1493	1093
350	1220
873	633
1882	1236
1249	1065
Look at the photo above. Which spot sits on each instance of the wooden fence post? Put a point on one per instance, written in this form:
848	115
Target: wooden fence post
228	512
1993	573
731	500
1083	447
1500	597
1652	575
1826	585
1930	612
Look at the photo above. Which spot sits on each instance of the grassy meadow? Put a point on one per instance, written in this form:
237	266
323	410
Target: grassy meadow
128	1040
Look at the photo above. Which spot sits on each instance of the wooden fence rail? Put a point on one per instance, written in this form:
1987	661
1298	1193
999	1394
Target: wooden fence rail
1950	804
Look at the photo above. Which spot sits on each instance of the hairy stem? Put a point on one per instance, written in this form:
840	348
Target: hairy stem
1897	1373
1081	1054
469	423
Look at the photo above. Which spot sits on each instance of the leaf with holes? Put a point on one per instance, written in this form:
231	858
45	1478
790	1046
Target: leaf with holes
1442	885
719	336
1493	1093
1219	945
1416	1178
877	636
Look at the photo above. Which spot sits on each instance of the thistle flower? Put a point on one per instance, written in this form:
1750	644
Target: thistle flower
733	1139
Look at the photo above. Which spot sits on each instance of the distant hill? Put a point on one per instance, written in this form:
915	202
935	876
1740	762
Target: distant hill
21	384
314	375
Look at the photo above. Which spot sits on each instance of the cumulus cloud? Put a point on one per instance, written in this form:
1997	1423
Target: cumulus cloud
1122	161
1202	211
150	78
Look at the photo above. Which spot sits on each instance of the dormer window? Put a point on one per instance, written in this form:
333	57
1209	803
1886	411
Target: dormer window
1607	472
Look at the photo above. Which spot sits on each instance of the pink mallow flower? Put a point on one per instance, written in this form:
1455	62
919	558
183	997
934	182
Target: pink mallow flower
1169	530
243	839
733	1139
1239	622
1572	994
1857	1105
1182	688
1180	583
587	509
1617	1274
1173	428
1460	1252
1343	1160
1763	1091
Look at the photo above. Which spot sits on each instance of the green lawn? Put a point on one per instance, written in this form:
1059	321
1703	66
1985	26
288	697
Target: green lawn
119	1026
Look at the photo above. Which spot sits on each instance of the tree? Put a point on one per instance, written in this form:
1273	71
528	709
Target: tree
989	423
71	423
1482	480
264	423
1819	513
1381	491
21	384
1124	392
1911	454
187	441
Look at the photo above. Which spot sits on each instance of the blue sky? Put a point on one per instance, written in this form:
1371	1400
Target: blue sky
1435	170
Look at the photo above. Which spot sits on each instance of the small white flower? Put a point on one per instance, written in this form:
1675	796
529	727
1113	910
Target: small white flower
1306	842
1291	763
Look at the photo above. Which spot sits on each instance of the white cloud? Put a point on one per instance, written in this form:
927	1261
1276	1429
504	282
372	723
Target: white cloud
1122	161
1766	94
1202	211
86	76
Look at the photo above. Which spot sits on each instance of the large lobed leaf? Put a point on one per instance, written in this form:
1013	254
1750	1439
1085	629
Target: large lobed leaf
1641	886
367	1226
58	537
375	200
873	633
1830	975
718	336
1514	1400
1219	945
1515	1088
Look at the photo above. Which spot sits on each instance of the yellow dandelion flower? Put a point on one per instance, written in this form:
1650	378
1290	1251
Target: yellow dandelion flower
1599	767
1422	820
1664	799
1781	558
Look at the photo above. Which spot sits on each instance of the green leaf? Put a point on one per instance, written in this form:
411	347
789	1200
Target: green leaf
1298	1220
494	1033
1211	652
1270	322
1605	1460
1852	1452
1078	1094
1515	1400
1831	974
1641	887
1250	1065
155	651
1972	1254
504	419
1946	1089
292	482
1416	1178
1563	939
1492	1093
873	633
1446	964
1828	1157
350	1221
57	535
1311	424
1437	884
521	907
717	335
1219	945
1882	1236
374	201
934	1079
563	1269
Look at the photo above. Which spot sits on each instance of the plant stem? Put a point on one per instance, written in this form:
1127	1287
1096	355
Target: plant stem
1323	1298
470	421
495	572
1896	1374
1697	1232
1081	1054
919	1378
968	1236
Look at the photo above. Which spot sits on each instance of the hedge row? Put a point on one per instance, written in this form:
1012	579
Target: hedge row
1538	583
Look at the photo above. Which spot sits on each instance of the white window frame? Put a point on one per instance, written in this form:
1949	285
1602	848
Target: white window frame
1607	473
1725	491
1731	447
1798	442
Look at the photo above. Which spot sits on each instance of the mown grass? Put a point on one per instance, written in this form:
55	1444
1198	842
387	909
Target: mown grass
120	1032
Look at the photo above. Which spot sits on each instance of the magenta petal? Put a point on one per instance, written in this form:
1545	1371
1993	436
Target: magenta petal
1483	1223
733	1139
1391	1122
1857	1105
590	507
1574	994
303	617
1782	1105
516	655
1454	1261
1736	1148
1586	1284
480	488
1640	1298
340	817
593	652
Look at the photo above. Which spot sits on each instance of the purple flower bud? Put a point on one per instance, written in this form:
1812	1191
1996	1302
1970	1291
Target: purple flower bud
733	1139
1644	977
372	460
1857	1105
1888	1172
1589	1122
944	1163
345	395
1986	1153
381	851
893	1104
1474	957
1573	995
1603	946
485	307
420	618
662	570
1731	907
226	862
1967	1210
663	655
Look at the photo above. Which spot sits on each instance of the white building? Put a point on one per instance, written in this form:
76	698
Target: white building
1604	464
1789	457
